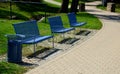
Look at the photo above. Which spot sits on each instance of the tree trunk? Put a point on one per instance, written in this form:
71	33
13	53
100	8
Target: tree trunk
74	6
104	3
64	6
116	1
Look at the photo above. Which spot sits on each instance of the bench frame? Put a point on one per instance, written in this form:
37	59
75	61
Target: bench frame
28	33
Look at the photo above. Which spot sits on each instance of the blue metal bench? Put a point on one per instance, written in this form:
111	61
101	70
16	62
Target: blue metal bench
56	25
73	20
28	33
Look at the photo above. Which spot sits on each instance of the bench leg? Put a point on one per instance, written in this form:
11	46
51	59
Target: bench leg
34	48
53	42
63	36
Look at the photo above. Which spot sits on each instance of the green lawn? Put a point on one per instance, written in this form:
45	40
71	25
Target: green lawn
23	12
24	15
80	0
10	68
44	27
31	11
117	9
83	16
26	12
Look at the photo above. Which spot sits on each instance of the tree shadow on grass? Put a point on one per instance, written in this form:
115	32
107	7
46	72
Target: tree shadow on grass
85	15
6	15
36	7
36	11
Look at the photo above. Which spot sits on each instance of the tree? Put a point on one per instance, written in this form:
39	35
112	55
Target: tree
116	1
74	6
104	3
64	6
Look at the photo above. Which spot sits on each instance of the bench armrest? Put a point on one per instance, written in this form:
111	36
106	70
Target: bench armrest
15	36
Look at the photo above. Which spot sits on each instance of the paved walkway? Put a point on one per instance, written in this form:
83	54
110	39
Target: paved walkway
53	2
98	55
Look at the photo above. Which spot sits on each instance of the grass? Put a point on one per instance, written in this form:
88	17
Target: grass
10	68
26	11
84	17
19	10
117	9
80	0
101	7
31	11
44	27
23	13
61	0
89	19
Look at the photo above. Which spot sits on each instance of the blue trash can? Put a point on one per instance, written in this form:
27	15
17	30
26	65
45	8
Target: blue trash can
14	51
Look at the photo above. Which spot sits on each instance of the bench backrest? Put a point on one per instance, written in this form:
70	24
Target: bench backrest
55	23
72	18
28	28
